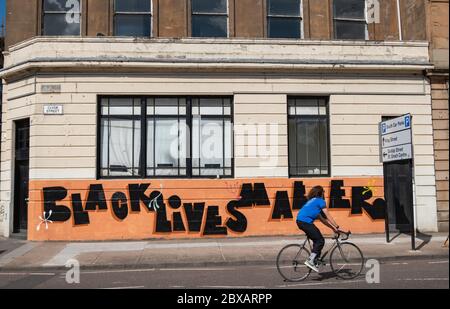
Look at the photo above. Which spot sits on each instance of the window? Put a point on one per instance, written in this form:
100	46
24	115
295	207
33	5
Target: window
284	19
166	137
121	137
133	18
308	137
350	22
210	18
61	17
211	137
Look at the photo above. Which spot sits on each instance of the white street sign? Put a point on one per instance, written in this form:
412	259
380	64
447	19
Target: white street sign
396	153
395	125
53	110
395	139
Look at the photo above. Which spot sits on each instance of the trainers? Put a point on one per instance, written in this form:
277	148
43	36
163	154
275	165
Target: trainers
312	266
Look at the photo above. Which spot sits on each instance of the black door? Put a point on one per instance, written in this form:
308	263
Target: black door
398	192
21	175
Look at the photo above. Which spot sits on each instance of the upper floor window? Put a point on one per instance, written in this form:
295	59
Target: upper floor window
210	18
284	19
350	19
61	17
133	18
308	137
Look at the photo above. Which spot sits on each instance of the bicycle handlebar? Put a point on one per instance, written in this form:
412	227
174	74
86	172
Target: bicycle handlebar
340	232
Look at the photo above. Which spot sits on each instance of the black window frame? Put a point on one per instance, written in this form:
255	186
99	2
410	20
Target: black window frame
355	20
327	117
44	12
132	117
144	131
300	17
226	14
119	13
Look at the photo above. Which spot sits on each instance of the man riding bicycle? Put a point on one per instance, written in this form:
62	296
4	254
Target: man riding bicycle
315	208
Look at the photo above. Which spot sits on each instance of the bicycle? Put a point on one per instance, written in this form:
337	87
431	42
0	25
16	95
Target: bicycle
346	259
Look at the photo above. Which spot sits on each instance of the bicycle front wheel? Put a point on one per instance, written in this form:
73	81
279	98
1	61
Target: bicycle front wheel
290	263
347	261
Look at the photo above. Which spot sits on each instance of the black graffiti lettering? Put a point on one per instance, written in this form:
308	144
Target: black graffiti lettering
299	195
163	225
137	194
378	210
282	208
60	213
239	225
96	198
178	225
174	202
336	195
194	215
213	222
254	195
80	216
359	197
119	204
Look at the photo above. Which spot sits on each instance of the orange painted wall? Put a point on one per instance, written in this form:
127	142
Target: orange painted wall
104	225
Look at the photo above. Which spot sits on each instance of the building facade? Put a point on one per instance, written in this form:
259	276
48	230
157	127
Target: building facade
438	34
192	118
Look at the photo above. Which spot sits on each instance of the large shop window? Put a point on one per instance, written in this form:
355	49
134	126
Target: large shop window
210	18
350	21
61	17
284	19
308	137
133	18
166	137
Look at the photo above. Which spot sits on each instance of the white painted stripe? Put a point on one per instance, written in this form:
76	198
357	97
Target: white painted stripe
125	288
424	279
319	283
438	262
196	269
27	274
22	250
232	287
117	271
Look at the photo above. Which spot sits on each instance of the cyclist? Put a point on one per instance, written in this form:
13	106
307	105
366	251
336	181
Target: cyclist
315	208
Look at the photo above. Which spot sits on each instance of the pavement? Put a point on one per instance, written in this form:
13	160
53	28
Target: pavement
22	255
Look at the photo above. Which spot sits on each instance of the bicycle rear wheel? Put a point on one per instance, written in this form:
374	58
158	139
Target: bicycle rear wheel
290	263
347	261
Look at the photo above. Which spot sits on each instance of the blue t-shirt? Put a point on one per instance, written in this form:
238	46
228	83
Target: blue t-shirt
311	210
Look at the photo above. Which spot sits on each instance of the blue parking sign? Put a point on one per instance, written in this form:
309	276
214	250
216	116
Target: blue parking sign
407	122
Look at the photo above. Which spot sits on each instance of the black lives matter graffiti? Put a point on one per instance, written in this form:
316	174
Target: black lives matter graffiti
200	217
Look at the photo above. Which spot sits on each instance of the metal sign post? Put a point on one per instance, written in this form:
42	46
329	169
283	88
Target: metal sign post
396	145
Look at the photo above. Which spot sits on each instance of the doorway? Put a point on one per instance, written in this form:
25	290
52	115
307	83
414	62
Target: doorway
398	192
21	175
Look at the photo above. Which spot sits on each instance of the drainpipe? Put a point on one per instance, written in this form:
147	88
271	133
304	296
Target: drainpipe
399	19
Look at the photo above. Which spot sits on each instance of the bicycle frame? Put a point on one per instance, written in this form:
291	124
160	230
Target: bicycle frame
321	259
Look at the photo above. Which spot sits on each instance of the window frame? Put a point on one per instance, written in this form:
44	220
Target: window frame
301	17
327	117
99	134
152	18
366	21
192	14
144	130
43	12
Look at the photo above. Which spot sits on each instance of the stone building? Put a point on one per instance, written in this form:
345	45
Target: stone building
132	119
